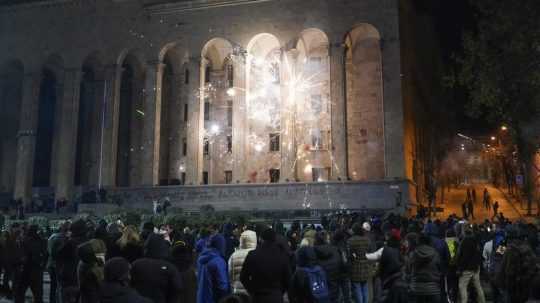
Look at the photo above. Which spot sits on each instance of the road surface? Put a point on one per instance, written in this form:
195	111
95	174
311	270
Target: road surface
456	196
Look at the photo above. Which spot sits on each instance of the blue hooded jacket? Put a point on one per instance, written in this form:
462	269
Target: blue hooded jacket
212	273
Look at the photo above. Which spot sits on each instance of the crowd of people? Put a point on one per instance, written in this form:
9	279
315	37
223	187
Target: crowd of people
470	202
346	258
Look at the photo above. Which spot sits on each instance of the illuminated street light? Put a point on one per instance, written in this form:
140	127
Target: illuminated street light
231	92
504	128
493	138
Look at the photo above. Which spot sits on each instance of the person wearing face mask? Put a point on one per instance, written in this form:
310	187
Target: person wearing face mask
90	269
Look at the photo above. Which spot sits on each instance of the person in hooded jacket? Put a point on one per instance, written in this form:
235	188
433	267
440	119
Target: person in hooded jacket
518	266
212	274
393	287
424	270
469	260
300	289
329	258
358	246
182	258
67	261
266	273
248	242
203	240
54	243
339	241
153	276
230	240
432	230
146	230
13	257
115	287
30	274
90	269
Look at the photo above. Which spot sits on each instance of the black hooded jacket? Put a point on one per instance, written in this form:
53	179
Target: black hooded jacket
329	258
67	261
153	276
90	270
469	256
424	270
266	273
117	293
299	291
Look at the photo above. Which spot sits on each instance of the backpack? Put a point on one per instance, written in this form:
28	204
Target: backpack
317	283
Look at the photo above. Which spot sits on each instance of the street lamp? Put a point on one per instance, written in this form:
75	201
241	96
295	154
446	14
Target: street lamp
493	138
504	128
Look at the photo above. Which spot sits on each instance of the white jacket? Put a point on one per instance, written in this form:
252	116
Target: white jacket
248	242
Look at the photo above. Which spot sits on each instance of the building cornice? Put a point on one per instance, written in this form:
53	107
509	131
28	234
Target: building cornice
181	7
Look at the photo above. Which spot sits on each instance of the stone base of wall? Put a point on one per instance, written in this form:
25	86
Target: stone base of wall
374	195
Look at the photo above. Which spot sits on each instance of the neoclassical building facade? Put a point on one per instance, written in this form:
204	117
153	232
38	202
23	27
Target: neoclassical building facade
131	93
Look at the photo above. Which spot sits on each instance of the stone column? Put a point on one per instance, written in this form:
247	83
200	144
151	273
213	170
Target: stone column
338	111
288	117
239	123
195	125
111	76
67	148
26	138
109	119
152	123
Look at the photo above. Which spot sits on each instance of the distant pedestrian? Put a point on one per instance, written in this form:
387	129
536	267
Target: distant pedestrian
495	208
486	199
474	195
464	210
469	196
470	208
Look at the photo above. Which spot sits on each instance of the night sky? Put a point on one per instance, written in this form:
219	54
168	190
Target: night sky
451	19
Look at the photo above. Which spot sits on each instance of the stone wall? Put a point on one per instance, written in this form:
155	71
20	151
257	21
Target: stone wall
383	195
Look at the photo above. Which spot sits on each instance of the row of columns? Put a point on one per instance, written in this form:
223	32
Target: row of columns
65	149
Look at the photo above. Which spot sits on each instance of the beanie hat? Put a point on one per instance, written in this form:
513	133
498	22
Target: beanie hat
78	228
269	235
357	228
395	234
116	270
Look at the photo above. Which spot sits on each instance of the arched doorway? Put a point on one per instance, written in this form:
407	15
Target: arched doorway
11	80
130	126
365	116
89	130
50	96
218	105
311	80
264	99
